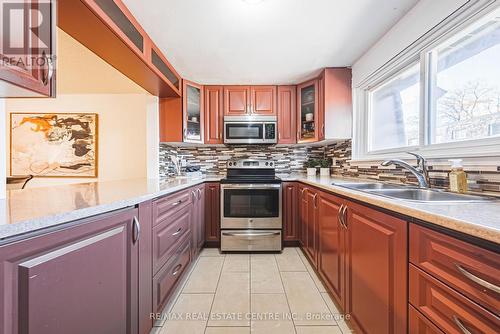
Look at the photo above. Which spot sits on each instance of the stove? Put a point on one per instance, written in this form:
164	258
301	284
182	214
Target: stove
251	213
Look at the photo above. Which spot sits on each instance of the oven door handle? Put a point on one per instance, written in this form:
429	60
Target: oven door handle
250	235
251	186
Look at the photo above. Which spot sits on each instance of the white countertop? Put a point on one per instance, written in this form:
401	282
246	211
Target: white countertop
29	210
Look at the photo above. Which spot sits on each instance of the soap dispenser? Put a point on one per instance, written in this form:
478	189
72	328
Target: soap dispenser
458	178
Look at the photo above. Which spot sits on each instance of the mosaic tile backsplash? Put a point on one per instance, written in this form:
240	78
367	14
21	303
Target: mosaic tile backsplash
483	175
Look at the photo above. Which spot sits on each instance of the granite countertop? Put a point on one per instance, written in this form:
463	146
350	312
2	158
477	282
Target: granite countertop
28	210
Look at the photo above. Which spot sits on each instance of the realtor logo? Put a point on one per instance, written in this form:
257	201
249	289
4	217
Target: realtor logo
26	33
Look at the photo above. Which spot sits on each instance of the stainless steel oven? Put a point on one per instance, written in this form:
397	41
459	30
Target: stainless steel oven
250	130
251	213
251	206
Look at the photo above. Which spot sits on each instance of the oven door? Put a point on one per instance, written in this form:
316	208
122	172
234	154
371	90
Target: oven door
251	206
244	132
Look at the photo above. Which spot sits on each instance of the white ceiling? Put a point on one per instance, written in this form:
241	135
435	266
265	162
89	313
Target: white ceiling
271	42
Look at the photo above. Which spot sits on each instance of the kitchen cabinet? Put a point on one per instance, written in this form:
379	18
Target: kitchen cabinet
302	215
308	112
287	115
214	115
212	214
263	100
311	222
198	218
236	100
331	245
324	106
192	112
376	270
109	29
29	70
418	324
249	100
55	282
447	309
290	211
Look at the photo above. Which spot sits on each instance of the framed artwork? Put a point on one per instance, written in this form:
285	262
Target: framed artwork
53	144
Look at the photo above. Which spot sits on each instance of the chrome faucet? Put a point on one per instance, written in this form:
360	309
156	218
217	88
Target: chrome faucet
421	172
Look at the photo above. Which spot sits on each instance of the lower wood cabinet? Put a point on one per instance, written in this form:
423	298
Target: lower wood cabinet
165	280
82	278
290	211
361	255
212	214
302	205
198	218
376	270
331	246
418	324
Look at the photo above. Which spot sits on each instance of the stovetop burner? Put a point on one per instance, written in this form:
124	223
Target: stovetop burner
248	171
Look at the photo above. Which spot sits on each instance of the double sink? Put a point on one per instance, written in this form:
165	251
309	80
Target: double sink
414	194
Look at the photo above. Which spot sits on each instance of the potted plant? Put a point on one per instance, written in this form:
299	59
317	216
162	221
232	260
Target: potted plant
324	165
311	165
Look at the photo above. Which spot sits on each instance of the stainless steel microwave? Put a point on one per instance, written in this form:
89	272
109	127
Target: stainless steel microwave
250	130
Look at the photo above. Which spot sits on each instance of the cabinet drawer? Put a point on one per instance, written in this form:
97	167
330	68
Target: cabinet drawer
251	240
167	234
418	324
164	282
164	207
446	308
469	269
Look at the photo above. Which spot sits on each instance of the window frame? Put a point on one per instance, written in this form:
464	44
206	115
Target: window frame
421	51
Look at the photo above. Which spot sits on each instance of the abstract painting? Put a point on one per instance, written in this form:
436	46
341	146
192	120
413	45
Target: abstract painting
53	145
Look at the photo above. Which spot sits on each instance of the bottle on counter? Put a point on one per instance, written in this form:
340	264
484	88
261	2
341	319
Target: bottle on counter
458	178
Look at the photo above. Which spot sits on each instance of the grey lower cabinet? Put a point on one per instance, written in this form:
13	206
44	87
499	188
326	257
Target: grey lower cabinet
83	278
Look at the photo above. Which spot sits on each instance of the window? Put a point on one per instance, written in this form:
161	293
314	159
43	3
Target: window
394	112
442	98
466	89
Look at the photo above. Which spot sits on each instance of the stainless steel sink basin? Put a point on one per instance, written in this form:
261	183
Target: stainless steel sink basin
428	195
370	186
412	193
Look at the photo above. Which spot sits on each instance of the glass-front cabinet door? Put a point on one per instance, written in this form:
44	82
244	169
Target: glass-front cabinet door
307	112
193	112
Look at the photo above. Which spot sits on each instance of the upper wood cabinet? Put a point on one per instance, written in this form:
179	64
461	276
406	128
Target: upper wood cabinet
324	106
376	270
263	100
214	115
249	100
31	71
192	112
287	115
108	29
307	112
236	100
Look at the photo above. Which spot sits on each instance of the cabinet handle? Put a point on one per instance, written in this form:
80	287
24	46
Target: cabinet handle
344	217
477	280
315	201
339	215
185	133
323	130
177	203
177	232
136	230
302	192
193	193
199	194
298	134
50	70
176	269
460	325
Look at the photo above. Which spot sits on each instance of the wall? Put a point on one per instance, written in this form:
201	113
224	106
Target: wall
85	83
121	134
213	159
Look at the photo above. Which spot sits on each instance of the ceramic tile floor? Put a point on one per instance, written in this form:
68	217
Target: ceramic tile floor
252	293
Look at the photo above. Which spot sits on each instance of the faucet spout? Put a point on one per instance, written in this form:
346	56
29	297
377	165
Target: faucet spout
420	172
